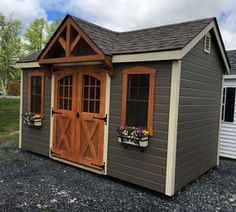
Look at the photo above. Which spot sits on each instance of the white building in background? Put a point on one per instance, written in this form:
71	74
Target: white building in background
228	124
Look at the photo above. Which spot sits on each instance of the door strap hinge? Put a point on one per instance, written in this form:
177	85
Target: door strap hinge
100	166
104	119
54	112
55	154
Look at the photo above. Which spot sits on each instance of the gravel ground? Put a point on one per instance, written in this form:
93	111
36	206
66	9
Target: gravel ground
29	182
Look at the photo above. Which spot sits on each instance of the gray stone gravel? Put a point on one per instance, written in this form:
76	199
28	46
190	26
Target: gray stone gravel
29	182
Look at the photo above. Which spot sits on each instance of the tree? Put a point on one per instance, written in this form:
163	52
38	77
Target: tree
10	48
35	35
38	34
51	28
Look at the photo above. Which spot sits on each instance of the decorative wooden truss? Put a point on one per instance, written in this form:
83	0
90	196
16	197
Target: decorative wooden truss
71	45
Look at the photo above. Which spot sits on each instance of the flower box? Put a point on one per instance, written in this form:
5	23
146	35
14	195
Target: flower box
32	120
38	122
141	142
137	136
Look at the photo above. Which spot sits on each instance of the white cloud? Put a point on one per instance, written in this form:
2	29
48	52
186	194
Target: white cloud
132	14
24	10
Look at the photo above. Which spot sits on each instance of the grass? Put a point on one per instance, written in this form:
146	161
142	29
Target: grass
9	122
9	115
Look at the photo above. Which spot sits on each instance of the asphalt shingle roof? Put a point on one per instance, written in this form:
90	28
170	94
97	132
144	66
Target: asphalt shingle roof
232	60
162	38
168	37
31	58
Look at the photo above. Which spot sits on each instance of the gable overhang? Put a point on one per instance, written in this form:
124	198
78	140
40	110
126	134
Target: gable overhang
176	54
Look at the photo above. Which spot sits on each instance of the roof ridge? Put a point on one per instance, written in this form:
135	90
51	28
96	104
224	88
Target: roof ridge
168	25
93	24
141	29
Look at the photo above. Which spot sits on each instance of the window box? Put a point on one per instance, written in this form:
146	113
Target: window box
32	120
137	136
38	122
141	142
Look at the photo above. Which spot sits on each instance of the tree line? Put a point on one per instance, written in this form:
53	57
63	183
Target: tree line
16	44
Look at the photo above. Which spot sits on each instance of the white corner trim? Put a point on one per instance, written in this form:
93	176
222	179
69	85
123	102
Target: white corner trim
27	65
52	105
172	129
218	145
21	109
106	127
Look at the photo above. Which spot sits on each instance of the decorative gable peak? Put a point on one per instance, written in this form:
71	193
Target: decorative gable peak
70	44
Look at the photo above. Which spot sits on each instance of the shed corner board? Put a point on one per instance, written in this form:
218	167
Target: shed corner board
172	130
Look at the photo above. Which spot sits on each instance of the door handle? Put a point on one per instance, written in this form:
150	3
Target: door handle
77	114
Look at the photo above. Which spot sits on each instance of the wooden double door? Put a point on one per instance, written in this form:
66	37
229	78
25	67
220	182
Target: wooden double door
79	115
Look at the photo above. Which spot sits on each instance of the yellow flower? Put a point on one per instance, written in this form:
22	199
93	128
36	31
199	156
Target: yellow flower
146	132
37	116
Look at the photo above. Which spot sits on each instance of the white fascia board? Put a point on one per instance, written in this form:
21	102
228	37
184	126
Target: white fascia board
27	65
195	40
149	56
174	54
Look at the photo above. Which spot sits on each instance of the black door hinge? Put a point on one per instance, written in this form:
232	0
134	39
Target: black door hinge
100	166
104	119
54	112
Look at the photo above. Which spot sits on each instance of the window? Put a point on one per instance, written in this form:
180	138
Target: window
138	97
228	105
36	88
91	94
65	93
207	43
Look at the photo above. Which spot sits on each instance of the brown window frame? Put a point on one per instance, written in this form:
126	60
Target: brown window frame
36	74
139	70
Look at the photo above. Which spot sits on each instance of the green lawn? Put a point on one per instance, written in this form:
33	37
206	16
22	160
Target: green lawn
9	115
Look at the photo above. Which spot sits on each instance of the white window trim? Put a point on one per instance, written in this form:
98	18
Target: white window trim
225	93
223	103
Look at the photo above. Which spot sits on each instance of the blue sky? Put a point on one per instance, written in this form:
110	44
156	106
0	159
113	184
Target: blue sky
121	15
54	14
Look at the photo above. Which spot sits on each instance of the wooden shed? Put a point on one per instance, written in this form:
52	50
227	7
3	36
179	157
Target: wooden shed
228	126
160	85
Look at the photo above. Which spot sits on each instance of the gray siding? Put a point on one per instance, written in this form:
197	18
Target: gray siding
199	110
37	139
147	168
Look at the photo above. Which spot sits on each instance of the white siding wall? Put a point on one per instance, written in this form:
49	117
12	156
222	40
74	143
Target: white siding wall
228	130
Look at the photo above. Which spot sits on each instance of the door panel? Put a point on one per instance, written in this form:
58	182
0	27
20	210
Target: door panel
64	114
91	128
